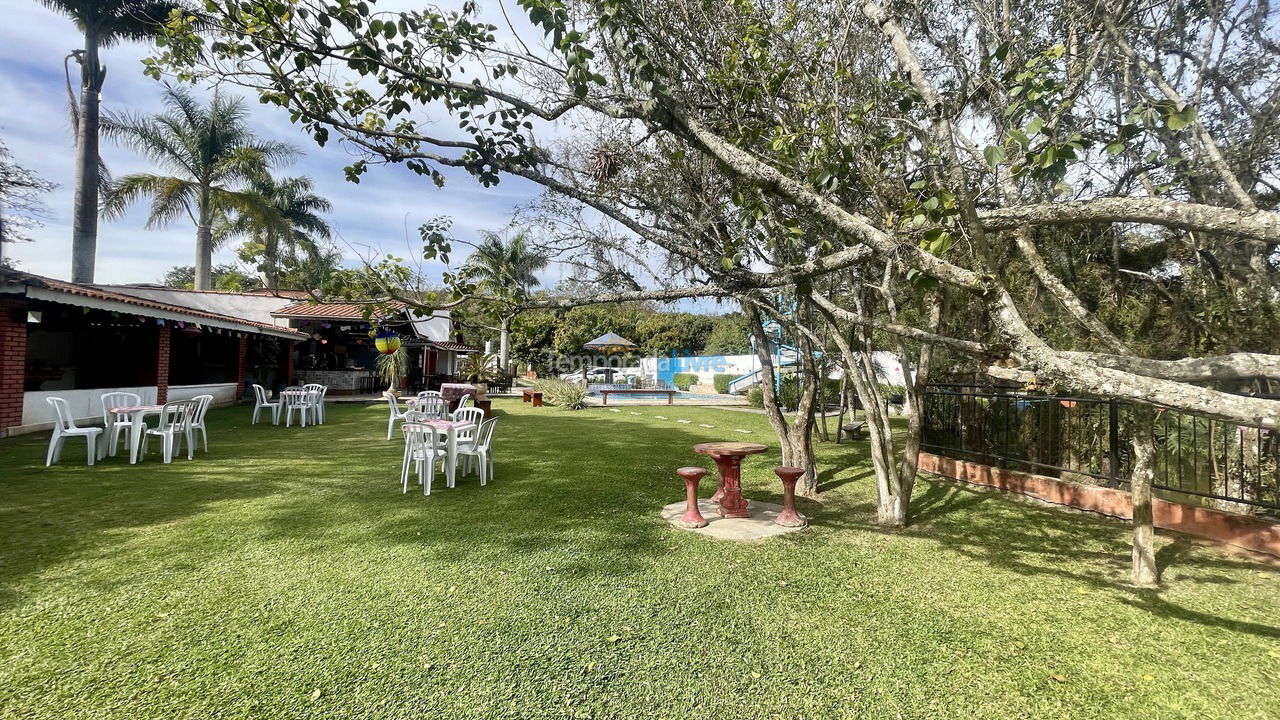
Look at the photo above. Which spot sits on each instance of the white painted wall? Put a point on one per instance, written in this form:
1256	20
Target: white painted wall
436	328
223	393
86	405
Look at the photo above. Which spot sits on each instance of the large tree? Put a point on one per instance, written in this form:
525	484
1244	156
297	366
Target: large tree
213	156
104	23
21	200
936	152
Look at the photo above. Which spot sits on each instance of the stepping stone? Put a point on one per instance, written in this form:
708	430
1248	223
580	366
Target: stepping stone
705	425
614	410
744	432
686	422
635	413
661	417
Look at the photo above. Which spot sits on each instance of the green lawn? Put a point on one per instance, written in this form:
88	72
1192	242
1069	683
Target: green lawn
285	575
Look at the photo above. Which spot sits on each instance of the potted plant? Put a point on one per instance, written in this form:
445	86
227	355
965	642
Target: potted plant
393	359
479	369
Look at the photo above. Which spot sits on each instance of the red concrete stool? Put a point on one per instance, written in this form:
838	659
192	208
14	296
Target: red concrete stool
691	518
789	517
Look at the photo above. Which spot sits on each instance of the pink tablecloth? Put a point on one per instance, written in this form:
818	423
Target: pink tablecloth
453	392
136	408
445	425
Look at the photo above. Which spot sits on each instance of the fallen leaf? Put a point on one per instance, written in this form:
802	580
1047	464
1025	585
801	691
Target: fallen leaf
315	694
614	638
1148	678
1058	678
755	675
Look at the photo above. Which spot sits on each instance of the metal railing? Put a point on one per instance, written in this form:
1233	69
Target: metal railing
1089	440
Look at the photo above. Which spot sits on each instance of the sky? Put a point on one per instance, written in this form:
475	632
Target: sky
372	216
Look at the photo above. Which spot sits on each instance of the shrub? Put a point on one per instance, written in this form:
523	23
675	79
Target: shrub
684	380
755	397
721	381
562	393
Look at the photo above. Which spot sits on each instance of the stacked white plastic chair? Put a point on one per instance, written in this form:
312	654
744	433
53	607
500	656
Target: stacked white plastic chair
479	450
261	399
396	415
424	446
174	427
65	427
115	426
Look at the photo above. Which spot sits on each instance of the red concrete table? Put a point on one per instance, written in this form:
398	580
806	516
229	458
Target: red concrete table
728	457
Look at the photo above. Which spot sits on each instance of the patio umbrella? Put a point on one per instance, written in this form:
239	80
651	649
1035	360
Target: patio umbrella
609	343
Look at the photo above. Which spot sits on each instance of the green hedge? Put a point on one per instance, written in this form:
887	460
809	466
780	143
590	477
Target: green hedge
684	380
722	381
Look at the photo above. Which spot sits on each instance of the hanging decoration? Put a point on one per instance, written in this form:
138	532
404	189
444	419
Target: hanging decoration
387	341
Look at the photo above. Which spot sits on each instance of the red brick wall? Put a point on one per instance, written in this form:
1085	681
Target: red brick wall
240	366
13	361
1240	530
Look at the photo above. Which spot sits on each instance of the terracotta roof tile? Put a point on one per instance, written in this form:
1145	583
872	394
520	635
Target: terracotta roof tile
335	310
456	346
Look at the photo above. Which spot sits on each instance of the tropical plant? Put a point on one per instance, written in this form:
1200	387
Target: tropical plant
287	237
212	153
480	367
393	366
562	393
504	268
104	23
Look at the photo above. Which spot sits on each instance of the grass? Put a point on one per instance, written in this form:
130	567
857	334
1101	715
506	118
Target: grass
284	575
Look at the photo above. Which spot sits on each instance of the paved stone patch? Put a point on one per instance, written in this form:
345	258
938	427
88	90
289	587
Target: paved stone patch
744	432
755	528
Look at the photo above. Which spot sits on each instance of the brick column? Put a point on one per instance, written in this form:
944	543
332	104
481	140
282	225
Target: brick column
286	364
240	367
13	361
163	335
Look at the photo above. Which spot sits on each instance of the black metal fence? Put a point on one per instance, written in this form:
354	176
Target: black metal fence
1090	440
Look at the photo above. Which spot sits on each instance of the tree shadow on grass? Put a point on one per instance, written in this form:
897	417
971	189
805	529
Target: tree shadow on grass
1038	540
71	511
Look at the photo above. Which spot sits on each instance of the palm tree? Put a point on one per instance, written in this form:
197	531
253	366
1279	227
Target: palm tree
290	234
505	268
212	153
104	23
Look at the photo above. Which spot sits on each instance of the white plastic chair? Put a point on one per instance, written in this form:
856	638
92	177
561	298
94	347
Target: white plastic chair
317	401
261	399
473	415
197	421
423	447
430	393
479	449
114	426
396	414
65	427
305	404
434	407
466	401
175	424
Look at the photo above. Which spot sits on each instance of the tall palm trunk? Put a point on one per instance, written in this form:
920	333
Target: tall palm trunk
504	342
84	233
204	256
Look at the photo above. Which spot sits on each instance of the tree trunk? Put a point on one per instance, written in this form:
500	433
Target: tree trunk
84	232
204	257
1145	573
504	342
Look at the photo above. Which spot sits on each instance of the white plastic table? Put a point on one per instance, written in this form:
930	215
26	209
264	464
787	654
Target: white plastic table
137	418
